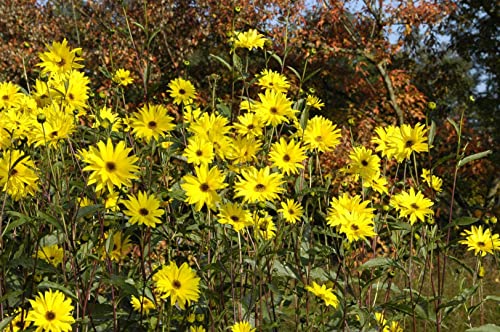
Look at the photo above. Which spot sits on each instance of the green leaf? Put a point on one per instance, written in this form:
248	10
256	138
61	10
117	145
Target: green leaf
485	328
87	210
463	221
5	322
377	262
295	72
52	285
237	63
432	133
221	60
277	58
454	124
473	157
492	298
308	77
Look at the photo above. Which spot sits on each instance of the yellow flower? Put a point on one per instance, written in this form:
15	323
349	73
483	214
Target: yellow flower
258	185
274	108
269	79
202	188
412	205
182	91
110	166
51	311
250	39
75	91
60	59
56	127
243	326
235	215
321	134
199	151
106	118
18	174
386	140
180	284
198	328
264	225
326	294
152	121
314	102
249	125
482	242
432	181
364	163
122	77
19	323
142	304
411	140
10	95
287	156
51	254
244	149
291	211
143	209
121	246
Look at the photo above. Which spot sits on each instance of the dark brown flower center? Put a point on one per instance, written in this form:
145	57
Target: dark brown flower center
152	124
286	158
182	91
364	163
5	97
414	206
199	153
409	143
250	126
354	227
13	172
53	134
61	62
204	187
110	166
176	284
143	212
273	110
260	187
235	218
71	96
49	315
318	138
481	244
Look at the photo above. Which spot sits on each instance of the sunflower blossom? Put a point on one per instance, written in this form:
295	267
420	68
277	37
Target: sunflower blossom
60	59
151	121
143	209
287	156
274	108
412	205
180	284
291	210
51	254
326	294
142	304
202	188
321	134
364	163
110	165
51	311
182	91
249	39
258	185
243	326
122	77
269	79
18	174
235	215
19	323
482	242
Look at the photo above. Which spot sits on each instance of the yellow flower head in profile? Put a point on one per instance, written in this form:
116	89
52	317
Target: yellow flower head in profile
110	165
51	254
321	134
326	294
288	157
412	205
249	39
432	181
142	304
60	59
180	284
243	326
314	102
386	140
481	241
18	174
258	185
151	121
235	215
75	89
201	189
122	77
264	226
244	149
51	311
106	118
52	126
19	323
291	211
274	108
121	246
143	209
182	91
272	80
10	95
